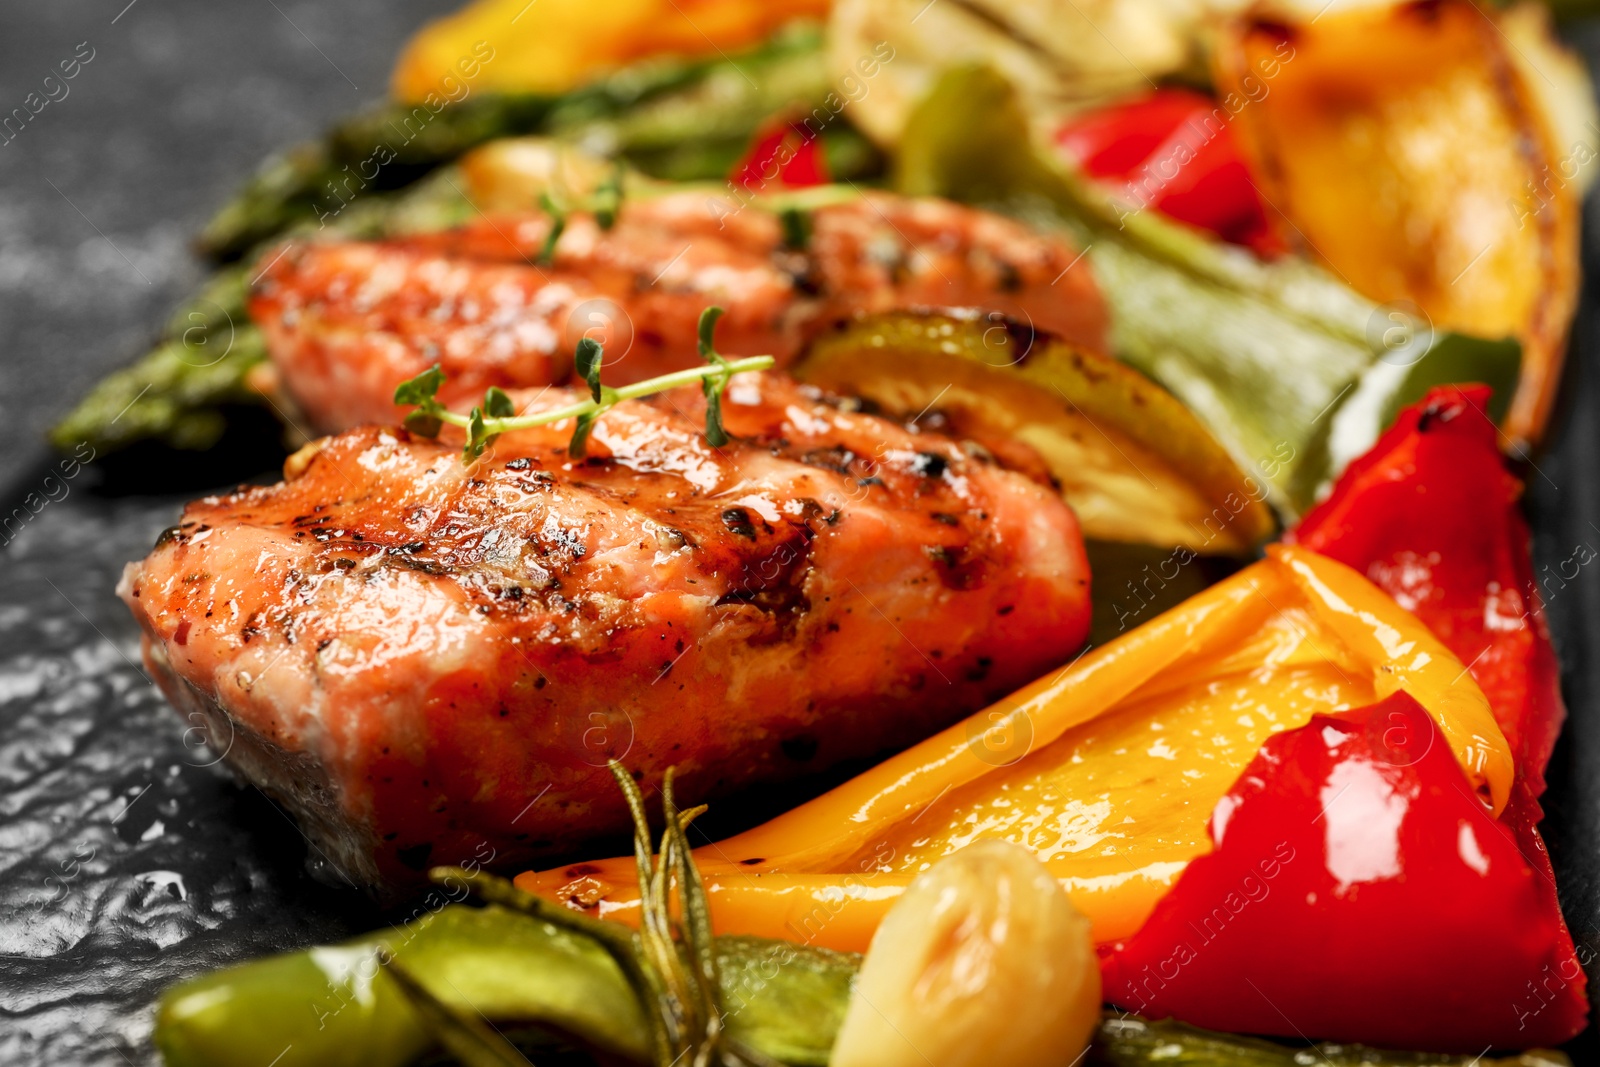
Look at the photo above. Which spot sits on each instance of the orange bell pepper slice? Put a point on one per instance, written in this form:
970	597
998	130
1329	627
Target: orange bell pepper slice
1108	770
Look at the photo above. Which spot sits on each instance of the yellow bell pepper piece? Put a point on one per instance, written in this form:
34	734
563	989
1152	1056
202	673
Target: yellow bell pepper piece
1108	770
1411	156
552	46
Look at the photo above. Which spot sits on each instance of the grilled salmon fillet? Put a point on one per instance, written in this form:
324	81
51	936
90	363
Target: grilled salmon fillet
345	322
428	661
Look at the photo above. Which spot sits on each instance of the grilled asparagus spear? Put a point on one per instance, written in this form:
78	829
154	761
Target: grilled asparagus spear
176	391
673	117
683	118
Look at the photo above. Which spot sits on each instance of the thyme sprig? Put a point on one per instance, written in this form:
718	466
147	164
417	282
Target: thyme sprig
558	224
604	203
671	961
497	414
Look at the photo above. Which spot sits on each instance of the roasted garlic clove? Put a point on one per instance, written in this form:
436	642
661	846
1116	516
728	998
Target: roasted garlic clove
984	960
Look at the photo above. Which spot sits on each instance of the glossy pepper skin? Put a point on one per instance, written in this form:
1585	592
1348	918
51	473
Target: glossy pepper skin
1403	894
1430	514
1174	151
1358	891
1108	769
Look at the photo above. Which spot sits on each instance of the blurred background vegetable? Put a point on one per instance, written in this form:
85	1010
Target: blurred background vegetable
1267	354
561	44
1409	152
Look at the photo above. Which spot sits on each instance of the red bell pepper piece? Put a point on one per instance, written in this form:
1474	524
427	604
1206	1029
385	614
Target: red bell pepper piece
1359	892
1174	151
1431	516
782	155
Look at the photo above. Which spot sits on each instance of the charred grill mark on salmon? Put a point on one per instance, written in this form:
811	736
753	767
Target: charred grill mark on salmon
347	321
410	650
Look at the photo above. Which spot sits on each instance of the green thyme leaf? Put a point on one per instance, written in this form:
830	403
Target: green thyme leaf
497	404
423	423
421	389
579	445
716	436
587	360
713	385
608	199
478	435
558	223
618	941
708	329
796	223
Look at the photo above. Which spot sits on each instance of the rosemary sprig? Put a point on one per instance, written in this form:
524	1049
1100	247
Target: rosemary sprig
497	414
670	962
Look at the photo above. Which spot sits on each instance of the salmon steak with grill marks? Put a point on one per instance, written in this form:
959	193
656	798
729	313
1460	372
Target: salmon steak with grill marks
347	321
428	660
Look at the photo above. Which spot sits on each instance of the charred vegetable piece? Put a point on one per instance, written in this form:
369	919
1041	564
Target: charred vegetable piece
701	128
374	151
1432	516
1483	237
1133	462
1063	57
1268	355
339	1006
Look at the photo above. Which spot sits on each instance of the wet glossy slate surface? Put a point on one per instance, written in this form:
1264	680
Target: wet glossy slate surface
129	859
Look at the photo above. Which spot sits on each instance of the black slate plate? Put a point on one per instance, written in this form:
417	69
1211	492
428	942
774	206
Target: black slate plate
129	860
